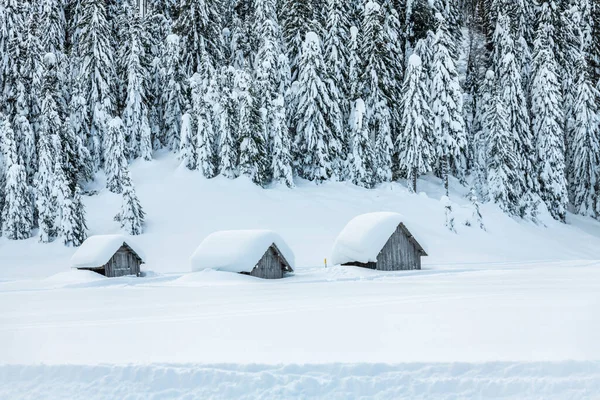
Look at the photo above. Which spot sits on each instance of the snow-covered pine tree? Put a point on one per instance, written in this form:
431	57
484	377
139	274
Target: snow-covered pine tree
26	146
295	17
11	23
419	21
188	142
547	119
446	100
73	225
97	72
53	25
173	99
317	116
501	157
229	144
199	22
132	214
485	98
44	180
135	115
17	213
414	147
354	64
205	96
378	82
253	159
335	49
115	163
585	146
78	130
361	157
281	144
511	89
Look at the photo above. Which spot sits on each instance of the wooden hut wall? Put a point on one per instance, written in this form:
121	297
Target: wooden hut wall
399	253
269	266
124	262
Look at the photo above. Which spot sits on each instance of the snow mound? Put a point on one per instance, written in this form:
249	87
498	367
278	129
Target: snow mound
312	37
414	60
364	236
237	251
97	250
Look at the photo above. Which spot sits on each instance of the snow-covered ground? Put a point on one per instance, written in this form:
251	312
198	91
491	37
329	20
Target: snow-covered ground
508	313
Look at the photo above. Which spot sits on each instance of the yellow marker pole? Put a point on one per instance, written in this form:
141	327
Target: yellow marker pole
325	263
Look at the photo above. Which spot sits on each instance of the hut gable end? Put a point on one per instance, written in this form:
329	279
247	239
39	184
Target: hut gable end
378	241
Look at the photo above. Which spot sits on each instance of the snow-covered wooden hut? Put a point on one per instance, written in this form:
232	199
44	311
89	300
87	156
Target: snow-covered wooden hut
109	255
378	241
259	253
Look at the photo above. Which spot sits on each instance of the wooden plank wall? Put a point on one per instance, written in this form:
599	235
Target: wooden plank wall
124	262
399	253
269	266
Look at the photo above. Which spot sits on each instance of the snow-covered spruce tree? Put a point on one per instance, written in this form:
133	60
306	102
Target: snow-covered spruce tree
11	23
199	22
45	200
281	144
501	157
73	225
188	142
53	25
78	130
97	72
585	146
415	152
30	72
115	163
135	115
513	96
132	214
295	18
446	100
335	49
253	159
361	157
547	119
17	213
26	146
205	96
173	99
378	81
392	35
485	98
270	48
354	64
419	20
317	116
229	144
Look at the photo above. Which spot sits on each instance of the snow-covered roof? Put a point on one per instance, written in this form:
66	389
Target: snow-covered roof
363	237
97	250
237	251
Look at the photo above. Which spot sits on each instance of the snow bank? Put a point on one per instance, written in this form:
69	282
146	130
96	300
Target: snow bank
565	380
364	236
237	251
97	250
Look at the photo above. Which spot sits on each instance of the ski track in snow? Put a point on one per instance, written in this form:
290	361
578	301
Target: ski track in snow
566	380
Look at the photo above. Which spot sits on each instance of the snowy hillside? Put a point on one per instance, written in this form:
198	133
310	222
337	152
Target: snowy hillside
183	208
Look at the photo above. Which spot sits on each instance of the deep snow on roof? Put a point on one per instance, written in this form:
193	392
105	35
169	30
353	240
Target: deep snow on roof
97	250
364	236
237	251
